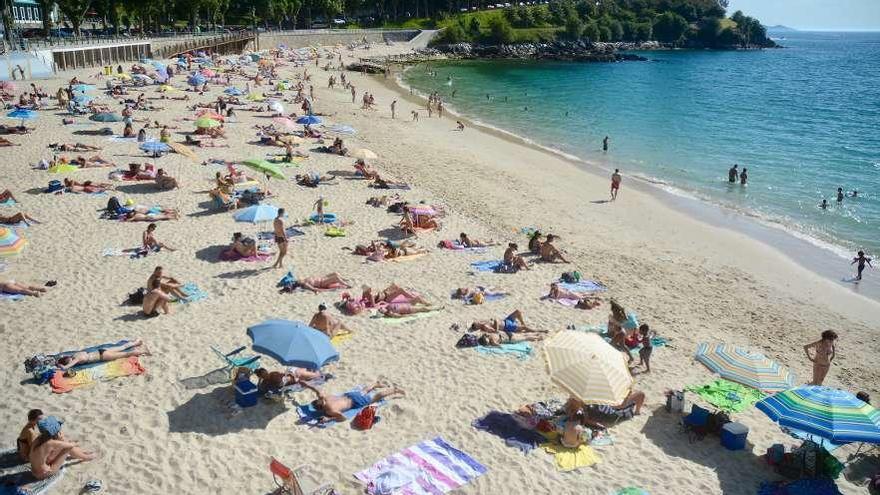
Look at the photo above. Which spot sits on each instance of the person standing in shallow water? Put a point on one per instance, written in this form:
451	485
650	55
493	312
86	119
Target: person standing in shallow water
743	176
839	195
733	174
861	260
605	144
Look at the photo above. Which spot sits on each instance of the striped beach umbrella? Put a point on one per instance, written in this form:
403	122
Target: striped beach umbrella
830	413
155	147
10	242
740	365
587	367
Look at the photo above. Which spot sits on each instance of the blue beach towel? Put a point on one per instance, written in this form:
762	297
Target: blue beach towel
521	350
583	286
504	425
287	280
195	294
486	266
308	415
11	297
8	202
24	483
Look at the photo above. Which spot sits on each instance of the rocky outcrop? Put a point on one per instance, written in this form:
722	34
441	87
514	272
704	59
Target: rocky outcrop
581	51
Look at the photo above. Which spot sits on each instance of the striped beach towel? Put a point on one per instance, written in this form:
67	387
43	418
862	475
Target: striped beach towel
427	468
90	374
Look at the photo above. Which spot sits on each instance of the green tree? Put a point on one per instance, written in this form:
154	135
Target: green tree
453	33
574	27
616	29
474	30
709	30
500	31
670	27
75	11
643	32
591	32
605	33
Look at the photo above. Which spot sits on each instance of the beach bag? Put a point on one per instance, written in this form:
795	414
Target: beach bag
675	401
113	205
467	340
571	277
365	418
54	185
137	297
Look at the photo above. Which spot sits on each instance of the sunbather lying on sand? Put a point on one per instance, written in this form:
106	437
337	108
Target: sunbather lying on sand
495	339
6	195
13	287
18	129
476	295
401	310
393	293
549	253
86	186
19	217
134	216
6	143
272	381
380	183
313	179
409	226
473	243
332	406
365	170
95	161
328	324
245	247
73	147
110	353
330	281
583	302
512	323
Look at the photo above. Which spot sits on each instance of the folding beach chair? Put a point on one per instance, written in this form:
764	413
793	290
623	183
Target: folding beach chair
292	482
695	424
232	362
616	414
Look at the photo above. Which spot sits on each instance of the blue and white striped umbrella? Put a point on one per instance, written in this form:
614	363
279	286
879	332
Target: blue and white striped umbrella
233	91
155	147
308	120
740	365
196	80
832	414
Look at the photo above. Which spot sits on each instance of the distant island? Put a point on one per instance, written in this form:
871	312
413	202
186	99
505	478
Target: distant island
779	28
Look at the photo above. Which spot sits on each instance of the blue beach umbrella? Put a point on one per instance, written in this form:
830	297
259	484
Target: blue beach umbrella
106	117
181	62
829	413
82	99
196	80
257	214
155	147
233	91
308	120
158	66
293	343
23	114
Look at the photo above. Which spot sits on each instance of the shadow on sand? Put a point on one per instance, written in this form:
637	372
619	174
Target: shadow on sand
210	413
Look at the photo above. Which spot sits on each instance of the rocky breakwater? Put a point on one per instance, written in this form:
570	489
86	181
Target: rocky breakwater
580	51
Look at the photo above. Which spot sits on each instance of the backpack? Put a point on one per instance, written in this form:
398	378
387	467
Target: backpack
365	418
571	277
467	340
137	297
54	185
113	205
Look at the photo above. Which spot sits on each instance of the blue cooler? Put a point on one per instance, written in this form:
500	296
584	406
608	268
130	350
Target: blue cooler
246	393
733	436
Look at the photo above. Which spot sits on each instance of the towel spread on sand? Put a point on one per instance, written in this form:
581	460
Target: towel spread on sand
24	483
431	467
486	266
91	374
569	459
584	286
457	246
290	231
488	295
521	350
726	395
8	202
308	415
11	297
195	294
340	338
506	426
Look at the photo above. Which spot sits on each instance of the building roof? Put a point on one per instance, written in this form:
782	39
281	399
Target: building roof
26	2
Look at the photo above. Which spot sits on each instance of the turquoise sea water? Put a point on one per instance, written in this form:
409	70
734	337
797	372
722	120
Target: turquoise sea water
803	120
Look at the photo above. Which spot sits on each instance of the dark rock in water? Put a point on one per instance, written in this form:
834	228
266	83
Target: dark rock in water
580	50
368	67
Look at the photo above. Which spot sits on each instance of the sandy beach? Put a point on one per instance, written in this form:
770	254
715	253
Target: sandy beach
172	429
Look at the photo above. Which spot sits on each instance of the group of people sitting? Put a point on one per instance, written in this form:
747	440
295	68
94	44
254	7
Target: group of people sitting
387	249
392	302
545	249
161	291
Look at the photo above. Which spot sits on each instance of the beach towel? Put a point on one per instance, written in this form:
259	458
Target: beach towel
269	235
631	490
8	202
195	294
120	139
308	415
95	372
431	467
232	255
19	225
457	246
340	338
405	319
24	483
11	297
799	487
726	395
568	303
487	266
520	350
506	426
570	459
584	286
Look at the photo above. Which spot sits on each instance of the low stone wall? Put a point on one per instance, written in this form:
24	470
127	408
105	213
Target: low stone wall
304	38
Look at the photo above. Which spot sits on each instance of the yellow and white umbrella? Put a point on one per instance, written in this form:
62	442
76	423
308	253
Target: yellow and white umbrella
364	154
587	367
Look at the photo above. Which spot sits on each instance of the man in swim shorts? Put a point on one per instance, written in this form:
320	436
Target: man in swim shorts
615	183
280	238
333	406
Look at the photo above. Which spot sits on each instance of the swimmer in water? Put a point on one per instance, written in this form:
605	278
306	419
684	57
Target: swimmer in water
824	204
840	195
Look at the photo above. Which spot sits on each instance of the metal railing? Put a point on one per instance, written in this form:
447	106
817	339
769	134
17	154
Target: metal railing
69	42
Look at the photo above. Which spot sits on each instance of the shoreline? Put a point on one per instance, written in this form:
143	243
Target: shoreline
812	254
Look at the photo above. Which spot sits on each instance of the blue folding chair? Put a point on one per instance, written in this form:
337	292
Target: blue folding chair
231	360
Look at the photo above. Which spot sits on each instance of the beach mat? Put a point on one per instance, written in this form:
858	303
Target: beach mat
268	235
486	266
11	297
570	459
24	483
520	350
430	467
584	286
504	425
727	396
195	293
308	415
90	375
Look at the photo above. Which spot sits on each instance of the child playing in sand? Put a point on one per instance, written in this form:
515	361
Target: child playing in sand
645	334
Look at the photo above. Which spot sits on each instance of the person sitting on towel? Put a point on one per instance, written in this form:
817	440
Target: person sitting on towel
513	260
51	450
328	324
109	353
583	302
549	252
243	246
271	381
512	323
333	406
28	435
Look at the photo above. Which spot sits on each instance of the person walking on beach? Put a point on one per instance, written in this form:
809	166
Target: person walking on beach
824	351
615	183
280	238
743	176
605	144
415	116
393	107
733	174
861	260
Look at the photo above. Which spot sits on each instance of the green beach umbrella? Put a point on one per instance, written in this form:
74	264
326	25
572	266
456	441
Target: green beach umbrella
265	167
207	123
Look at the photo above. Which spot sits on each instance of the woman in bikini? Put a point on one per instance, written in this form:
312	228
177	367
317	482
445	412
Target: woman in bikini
136	348
824	352
86	187
271	381
19	217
